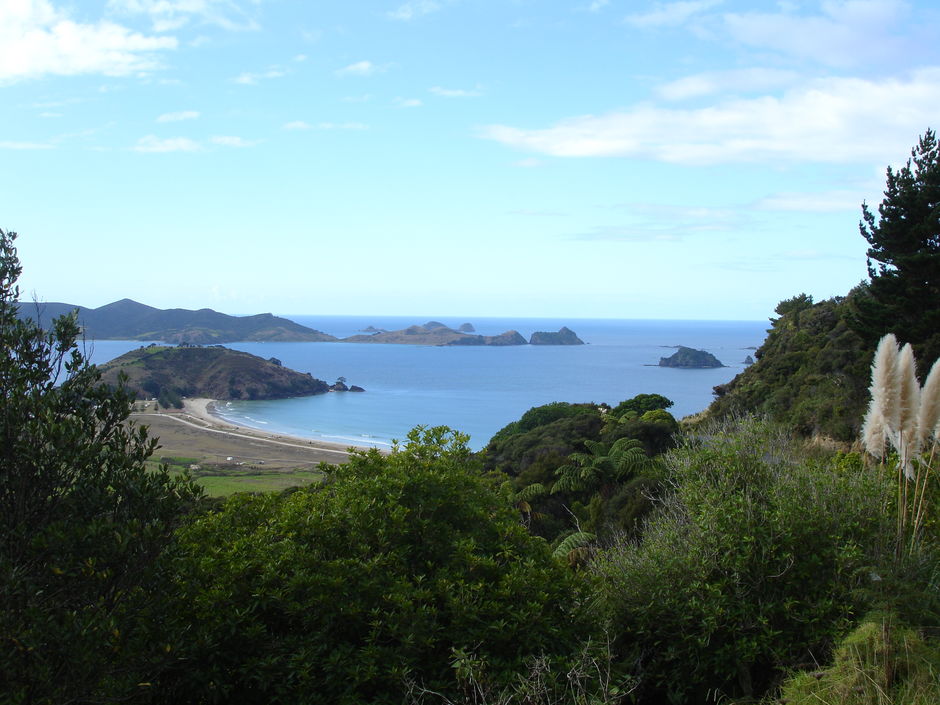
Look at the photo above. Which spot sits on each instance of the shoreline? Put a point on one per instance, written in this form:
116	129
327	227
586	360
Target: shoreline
203	410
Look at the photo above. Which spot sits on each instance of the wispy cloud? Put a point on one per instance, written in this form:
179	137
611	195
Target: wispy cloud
154	144
670	14
836	120
360	68
169	15
412	9
844	33
251	78
618	233
456	92
36	39
734	81
408	102
179	116
823	202
229	141
5	144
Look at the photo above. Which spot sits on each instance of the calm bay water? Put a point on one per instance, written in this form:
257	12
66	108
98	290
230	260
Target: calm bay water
478	390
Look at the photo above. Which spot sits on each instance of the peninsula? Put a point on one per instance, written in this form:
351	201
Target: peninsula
170	373
130	320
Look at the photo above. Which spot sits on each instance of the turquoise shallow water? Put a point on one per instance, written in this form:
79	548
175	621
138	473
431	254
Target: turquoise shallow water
478	390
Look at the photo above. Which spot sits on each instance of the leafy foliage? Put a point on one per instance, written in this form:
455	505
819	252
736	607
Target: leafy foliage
811	373
903	296
750	567
83	524
380	577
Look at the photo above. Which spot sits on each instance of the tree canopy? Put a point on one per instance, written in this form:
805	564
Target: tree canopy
904	255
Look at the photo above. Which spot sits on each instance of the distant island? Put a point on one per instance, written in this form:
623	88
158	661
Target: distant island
215	372
690	358
565	336
436	333
130	320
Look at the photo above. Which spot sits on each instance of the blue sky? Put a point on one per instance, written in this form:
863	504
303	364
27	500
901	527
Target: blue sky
697	159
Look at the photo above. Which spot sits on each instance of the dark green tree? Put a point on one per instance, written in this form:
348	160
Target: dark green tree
83	523
397	569
904	255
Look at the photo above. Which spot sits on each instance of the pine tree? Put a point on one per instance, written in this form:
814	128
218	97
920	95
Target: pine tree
903	295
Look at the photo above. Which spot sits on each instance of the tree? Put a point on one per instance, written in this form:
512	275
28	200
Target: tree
83	523
391	571
904	255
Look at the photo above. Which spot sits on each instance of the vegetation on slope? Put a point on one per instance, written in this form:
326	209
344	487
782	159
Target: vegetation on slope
129	320
213	372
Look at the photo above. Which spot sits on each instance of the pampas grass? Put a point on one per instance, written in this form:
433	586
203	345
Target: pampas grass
906	416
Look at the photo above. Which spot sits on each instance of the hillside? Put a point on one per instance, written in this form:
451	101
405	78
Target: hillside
214	372
811	373
130	320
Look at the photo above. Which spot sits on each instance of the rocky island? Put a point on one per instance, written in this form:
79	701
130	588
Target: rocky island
436	333
690	358
564	336
213	372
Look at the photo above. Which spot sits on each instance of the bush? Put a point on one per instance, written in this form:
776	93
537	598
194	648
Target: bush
395	569
84	527
749	568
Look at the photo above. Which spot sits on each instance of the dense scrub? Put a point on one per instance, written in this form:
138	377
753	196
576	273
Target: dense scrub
811	372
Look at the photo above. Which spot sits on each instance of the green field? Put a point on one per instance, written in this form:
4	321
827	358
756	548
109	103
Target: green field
223	481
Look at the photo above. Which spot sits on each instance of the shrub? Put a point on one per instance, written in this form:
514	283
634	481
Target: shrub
389	572
750	567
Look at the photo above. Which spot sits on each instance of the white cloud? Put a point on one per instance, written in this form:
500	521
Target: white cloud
670	14
598	5
846	33
827	120
360	68
300	58
168	15
616	233
24	145
734	81
455	92
229	141
408	102
528	163
297	125
37	40
152	143
250	79
178	117
414	8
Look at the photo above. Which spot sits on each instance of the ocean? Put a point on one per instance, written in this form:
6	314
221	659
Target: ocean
478	390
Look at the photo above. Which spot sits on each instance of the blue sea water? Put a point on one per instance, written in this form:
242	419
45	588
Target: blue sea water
478	390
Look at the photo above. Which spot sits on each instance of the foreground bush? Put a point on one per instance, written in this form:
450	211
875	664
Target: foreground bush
751	567
398	570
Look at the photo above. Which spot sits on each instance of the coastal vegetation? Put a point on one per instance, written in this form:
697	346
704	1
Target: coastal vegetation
589	554
690	358
168	373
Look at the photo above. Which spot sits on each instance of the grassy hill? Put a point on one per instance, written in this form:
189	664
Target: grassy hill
215	372
130	320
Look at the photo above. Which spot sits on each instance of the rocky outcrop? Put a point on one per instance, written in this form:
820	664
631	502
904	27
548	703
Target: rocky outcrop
690	358
467	328
564	336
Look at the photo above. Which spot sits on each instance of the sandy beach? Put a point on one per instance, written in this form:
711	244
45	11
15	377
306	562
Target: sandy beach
195	433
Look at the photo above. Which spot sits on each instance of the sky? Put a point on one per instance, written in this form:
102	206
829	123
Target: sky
701	159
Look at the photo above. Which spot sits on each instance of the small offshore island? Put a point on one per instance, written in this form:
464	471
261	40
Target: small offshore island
689	358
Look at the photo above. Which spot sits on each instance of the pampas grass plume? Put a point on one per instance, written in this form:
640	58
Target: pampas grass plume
909	439
928	417
874	433
885	389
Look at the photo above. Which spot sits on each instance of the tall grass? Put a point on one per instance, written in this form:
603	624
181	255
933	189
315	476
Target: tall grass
907	417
